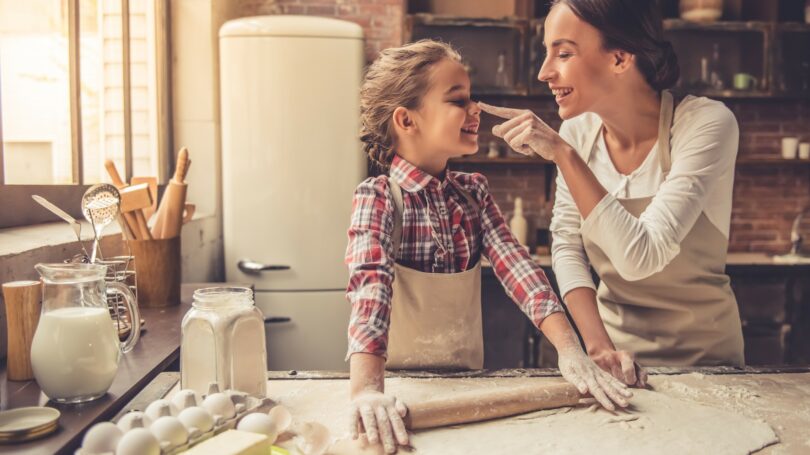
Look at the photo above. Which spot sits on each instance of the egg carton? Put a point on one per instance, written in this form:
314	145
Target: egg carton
178	424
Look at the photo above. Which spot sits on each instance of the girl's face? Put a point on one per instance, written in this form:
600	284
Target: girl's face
447	120
577	69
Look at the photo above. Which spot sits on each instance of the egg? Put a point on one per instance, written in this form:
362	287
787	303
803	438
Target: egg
134	419
138	441
260	423
313	438
160	408
101	438
196	417
169	429
218	404
185	399
281	418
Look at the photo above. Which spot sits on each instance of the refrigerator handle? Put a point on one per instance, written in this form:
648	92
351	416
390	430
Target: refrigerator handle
253	268
276	319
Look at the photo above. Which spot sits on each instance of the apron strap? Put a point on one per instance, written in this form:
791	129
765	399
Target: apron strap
396	235
664	128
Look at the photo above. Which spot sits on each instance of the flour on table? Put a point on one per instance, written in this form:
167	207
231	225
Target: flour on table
655	423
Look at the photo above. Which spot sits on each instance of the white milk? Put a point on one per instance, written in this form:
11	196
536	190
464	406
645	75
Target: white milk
74	353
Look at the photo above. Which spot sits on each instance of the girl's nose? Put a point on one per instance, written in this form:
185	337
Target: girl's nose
474	109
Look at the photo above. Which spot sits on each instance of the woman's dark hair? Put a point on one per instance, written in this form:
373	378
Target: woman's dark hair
634	26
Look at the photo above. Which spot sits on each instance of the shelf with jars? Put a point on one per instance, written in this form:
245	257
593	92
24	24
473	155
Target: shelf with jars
731	59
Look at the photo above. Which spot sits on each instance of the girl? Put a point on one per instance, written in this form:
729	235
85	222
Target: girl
643	191
416	238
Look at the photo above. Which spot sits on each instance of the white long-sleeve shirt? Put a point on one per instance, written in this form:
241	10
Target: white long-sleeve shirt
704	143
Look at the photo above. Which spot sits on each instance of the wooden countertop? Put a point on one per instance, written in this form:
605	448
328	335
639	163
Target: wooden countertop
734	260
158	347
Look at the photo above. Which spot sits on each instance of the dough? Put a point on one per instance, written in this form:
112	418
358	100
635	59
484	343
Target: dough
657	423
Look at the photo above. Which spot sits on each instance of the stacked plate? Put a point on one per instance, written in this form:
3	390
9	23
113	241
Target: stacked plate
25	424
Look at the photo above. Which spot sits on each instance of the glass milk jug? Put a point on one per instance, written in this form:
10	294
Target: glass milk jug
223	342
75	349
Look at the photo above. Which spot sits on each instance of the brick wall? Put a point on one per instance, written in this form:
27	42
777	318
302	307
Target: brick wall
767	197
381	20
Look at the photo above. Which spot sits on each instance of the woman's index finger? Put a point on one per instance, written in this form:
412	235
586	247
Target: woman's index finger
503	112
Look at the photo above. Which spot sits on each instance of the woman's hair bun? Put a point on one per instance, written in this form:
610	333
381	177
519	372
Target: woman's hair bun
667	70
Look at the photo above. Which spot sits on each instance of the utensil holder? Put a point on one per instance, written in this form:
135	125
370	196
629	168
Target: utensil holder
158	282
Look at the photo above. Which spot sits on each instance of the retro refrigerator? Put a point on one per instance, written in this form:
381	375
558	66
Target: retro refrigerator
291	159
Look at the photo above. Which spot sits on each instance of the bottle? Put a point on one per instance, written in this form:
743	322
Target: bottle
543	238
518	224
501	78
715	78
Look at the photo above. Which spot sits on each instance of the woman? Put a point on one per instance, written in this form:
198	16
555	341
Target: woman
643	191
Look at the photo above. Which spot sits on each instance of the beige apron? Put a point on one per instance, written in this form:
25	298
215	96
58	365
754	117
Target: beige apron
686	314
435	317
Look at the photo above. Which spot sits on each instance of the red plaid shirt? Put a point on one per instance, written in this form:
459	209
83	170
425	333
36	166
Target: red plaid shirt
434	211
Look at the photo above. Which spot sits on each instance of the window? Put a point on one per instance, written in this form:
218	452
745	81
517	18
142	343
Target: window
81	81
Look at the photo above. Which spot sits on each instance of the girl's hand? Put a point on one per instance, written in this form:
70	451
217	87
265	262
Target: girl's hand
525	132
381	416
622	365
578	369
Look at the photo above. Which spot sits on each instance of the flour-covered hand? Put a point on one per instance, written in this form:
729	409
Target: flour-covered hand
525	132
381	415
578	369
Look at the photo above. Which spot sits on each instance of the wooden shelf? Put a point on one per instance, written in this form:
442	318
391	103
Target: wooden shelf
719	26
772	162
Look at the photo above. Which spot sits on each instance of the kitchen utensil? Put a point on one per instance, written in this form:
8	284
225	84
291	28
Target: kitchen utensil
153	193
100	207
477	406
129	218
75	351
133	199
169	218
77	227
223	341
25	424
22	299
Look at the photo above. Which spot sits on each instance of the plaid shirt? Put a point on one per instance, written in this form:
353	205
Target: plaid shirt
441	233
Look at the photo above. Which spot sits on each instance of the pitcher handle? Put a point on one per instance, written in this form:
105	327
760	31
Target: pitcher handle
134	315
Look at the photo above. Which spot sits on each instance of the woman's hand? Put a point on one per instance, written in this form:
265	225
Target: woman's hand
381	415
525	132
622	365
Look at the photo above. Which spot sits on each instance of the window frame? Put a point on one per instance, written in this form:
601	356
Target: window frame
16	206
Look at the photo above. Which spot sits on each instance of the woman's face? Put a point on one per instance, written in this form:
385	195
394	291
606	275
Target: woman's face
577	69
448	119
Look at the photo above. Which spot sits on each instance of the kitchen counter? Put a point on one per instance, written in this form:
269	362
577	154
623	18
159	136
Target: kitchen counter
771	395
734	260
157	349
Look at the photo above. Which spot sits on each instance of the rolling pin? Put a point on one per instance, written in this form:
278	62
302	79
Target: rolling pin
485	405
169	217
474	406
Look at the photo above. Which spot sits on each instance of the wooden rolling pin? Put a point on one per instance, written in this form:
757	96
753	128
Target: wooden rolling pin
485	405
169	217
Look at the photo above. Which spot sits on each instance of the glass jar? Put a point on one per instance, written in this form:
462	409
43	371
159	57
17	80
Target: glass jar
223	341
